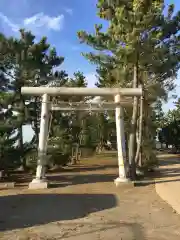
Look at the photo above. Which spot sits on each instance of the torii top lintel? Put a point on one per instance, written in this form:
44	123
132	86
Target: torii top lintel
80	91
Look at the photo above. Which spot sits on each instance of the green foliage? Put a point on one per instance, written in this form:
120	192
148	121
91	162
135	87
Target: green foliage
24	61
139	36
9	156
137	31
170	130
31	159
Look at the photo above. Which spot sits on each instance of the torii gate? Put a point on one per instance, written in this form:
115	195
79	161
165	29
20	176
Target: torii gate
121	99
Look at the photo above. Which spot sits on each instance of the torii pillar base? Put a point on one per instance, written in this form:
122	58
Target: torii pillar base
123	182
39	184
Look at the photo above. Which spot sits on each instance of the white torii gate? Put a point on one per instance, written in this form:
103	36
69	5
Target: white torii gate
120	101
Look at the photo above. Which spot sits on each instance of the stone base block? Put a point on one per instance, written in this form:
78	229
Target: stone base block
38	184
5	185
123	182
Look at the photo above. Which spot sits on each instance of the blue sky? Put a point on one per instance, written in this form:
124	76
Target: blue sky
59	20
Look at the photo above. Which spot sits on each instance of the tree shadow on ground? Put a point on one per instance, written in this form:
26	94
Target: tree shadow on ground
169	161
167	172
168	169
152	182
27	210
30	210
162	176
81	168
66	180
21	178
158	179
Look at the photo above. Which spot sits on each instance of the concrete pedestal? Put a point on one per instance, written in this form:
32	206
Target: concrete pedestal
123	181
38	184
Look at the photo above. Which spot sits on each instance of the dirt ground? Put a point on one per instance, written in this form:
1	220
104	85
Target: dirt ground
85	204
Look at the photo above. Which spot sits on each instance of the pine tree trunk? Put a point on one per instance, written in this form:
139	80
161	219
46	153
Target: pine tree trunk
20	132
36	131
77	153
21	148
36	128
100	146
139	143
127	147
74	155
132	136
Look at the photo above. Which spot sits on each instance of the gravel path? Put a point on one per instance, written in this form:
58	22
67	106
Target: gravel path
86	205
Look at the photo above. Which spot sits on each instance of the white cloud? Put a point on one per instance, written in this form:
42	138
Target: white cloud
91	79
35	23
14	27
40	20
69	11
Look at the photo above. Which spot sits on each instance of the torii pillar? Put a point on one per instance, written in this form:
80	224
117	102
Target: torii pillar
40	182
121	148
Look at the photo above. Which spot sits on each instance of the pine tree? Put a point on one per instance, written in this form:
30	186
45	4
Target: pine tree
32	64
140	46
8	124
66	131
170	129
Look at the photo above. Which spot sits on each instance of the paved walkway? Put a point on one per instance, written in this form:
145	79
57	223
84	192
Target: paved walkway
86	205
168	182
